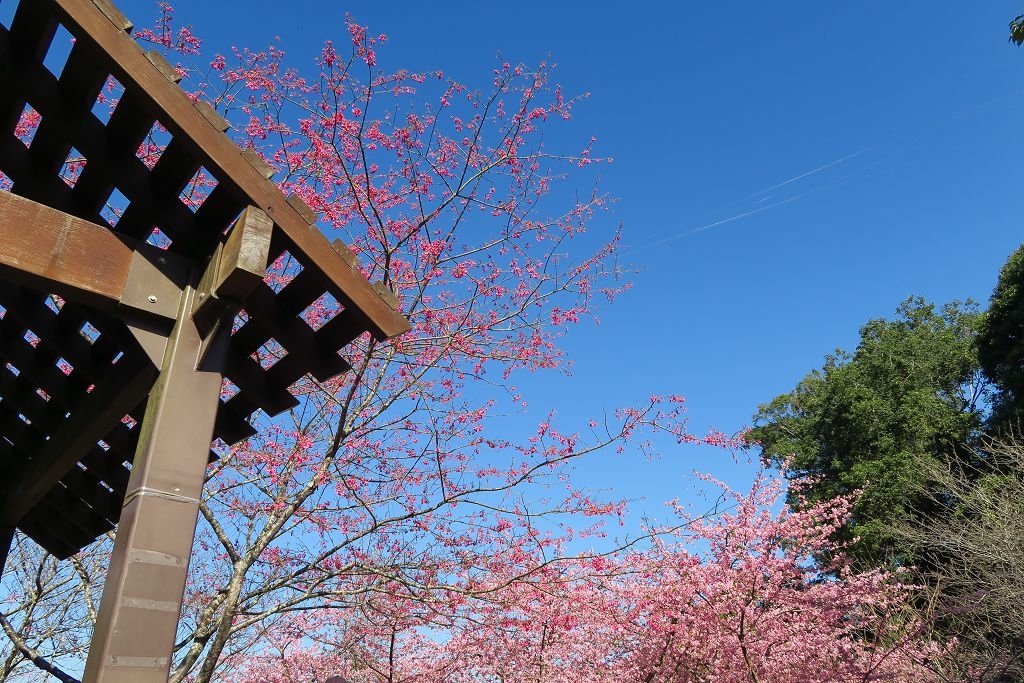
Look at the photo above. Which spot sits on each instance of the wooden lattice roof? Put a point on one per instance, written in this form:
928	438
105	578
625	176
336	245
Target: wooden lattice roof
73	379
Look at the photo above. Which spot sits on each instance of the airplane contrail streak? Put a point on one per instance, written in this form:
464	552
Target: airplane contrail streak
760	198
730	219
813	171
763	199
759	209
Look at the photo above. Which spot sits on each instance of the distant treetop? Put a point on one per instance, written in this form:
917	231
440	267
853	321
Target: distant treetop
1017	29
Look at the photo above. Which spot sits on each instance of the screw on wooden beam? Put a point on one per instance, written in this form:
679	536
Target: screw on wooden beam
154	284
211	115
302	208
257	162
163	66
111	12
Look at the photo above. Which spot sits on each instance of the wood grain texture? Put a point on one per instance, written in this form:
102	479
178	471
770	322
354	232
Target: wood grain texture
55	252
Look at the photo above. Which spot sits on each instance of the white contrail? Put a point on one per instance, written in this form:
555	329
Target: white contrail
812	171
759	209
759	199
755	195
730	219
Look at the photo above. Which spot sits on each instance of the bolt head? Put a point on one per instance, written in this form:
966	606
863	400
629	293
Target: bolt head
152	298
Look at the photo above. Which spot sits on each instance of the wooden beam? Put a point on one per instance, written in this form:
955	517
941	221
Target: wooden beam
55	252
224	160
97	413
236	268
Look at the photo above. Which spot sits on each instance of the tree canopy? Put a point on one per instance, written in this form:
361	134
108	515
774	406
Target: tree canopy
1017	29
748	606
861	422
1001	341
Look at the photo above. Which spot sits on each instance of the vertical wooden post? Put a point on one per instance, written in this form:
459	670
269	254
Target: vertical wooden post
6	539
138	616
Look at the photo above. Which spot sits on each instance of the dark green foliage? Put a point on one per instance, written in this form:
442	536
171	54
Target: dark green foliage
861	422
900	420
1001	343
1017	29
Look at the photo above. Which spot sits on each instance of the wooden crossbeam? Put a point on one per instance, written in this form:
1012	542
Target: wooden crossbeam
97	413
55	252
225	161
236	268
52	251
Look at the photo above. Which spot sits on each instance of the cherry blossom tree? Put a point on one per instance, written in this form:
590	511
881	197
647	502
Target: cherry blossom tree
47	606
728	596
394	491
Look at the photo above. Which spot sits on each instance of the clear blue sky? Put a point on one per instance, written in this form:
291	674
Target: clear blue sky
889	133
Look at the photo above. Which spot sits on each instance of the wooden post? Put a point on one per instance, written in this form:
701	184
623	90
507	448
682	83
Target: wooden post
6	539
138	615
138	618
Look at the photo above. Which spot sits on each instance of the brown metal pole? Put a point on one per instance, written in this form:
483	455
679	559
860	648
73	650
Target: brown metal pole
138	616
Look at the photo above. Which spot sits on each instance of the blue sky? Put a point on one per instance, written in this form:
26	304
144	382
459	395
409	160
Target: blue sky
785	171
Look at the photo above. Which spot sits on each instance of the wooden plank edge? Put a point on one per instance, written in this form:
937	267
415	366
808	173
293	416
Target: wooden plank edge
111	12
223	158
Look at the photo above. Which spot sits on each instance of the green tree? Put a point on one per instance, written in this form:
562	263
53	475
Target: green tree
1001	343
863	421
1017	29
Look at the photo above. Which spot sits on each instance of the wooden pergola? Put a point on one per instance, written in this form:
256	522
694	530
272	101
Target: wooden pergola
110	392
